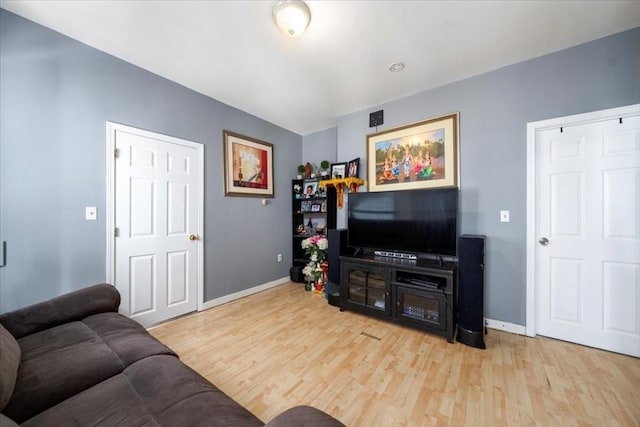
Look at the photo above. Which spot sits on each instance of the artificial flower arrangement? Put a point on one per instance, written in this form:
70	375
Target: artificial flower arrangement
316	248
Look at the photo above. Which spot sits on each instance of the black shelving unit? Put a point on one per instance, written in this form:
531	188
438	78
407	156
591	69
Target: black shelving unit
318	208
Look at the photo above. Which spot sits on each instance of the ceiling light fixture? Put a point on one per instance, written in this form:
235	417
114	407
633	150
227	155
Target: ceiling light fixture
396	67
291	16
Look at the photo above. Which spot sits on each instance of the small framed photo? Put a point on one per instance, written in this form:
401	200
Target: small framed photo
315	207
310	189
353	168
338	170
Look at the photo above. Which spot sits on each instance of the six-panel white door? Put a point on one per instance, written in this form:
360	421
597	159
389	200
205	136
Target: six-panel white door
588	226
157	184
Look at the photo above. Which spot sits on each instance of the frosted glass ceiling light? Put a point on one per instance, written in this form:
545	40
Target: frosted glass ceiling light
291	16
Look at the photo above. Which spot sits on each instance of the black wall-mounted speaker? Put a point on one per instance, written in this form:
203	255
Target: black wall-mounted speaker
337	246
471	290
376	118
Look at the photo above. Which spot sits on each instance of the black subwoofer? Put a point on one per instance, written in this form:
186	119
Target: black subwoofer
295	274
471	290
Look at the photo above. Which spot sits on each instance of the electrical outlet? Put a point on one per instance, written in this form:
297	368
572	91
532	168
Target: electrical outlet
279	257
504	216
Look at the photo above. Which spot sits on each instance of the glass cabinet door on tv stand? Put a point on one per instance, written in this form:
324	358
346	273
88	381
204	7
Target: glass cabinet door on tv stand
365	288
312	212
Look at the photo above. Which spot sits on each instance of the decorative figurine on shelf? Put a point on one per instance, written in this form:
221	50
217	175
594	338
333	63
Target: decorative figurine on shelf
324	266
308	170
300	229
318	286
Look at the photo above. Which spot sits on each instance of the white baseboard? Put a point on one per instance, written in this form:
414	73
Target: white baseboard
231	297
505	326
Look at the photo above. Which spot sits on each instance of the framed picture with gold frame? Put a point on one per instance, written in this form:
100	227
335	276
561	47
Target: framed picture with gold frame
417	155
248	166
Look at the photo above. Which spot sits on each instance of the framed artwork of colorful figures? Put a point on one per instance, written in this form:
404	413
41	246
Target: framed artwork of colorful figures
417	155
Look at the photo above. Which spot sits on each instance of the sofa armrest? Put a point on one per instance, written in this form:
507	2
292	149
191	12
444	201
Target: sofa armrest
304	416
65	308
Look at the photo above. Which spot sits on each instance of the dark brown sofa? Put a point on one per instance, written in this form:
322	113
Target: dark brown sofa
74	361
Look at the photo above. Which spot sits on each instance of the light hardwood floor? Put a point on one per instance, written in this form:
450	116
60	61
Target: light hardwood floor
285	347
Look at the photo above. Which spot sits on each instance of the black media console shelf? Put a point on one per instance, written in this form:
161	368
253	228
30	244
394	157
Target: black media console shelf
420	293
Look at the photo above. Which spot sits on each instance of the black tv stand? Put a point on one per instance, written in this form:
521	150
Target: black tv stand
420	293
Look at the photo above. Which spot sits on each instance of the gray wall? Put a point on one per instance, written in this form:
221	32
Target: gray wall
494	110
55	96
319	146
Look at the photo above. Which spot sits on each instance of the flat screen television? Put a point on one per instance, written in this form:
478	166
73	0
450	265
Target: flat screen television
410	221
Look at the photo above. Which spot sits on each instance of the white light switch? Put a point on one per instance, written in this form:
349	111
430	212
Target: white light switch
90	213
504	216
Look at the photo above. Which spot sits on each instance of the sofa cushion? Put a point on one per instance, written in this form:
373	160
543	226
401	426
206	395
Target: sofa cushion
180	396
10	354
110	403
126	337
158	390
67	359
56	364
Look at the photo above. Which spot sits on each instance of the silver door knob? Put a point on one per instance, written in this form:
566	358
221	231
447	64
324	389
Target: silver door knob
543	241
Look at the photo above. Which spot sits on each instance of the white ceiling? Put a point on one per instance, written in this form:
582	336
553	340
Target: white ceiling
233	52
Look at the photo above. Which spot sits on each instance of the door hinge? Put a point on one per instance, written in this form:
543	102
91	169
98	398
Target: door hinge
116	232
116	153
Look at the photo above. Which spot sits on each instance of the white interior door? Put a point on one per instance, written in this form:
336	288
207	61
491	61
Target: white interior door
587	213
157	207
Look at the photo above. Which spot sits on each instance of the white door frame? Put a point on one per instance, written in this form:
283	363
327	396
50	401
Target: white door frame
532	239
110	214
